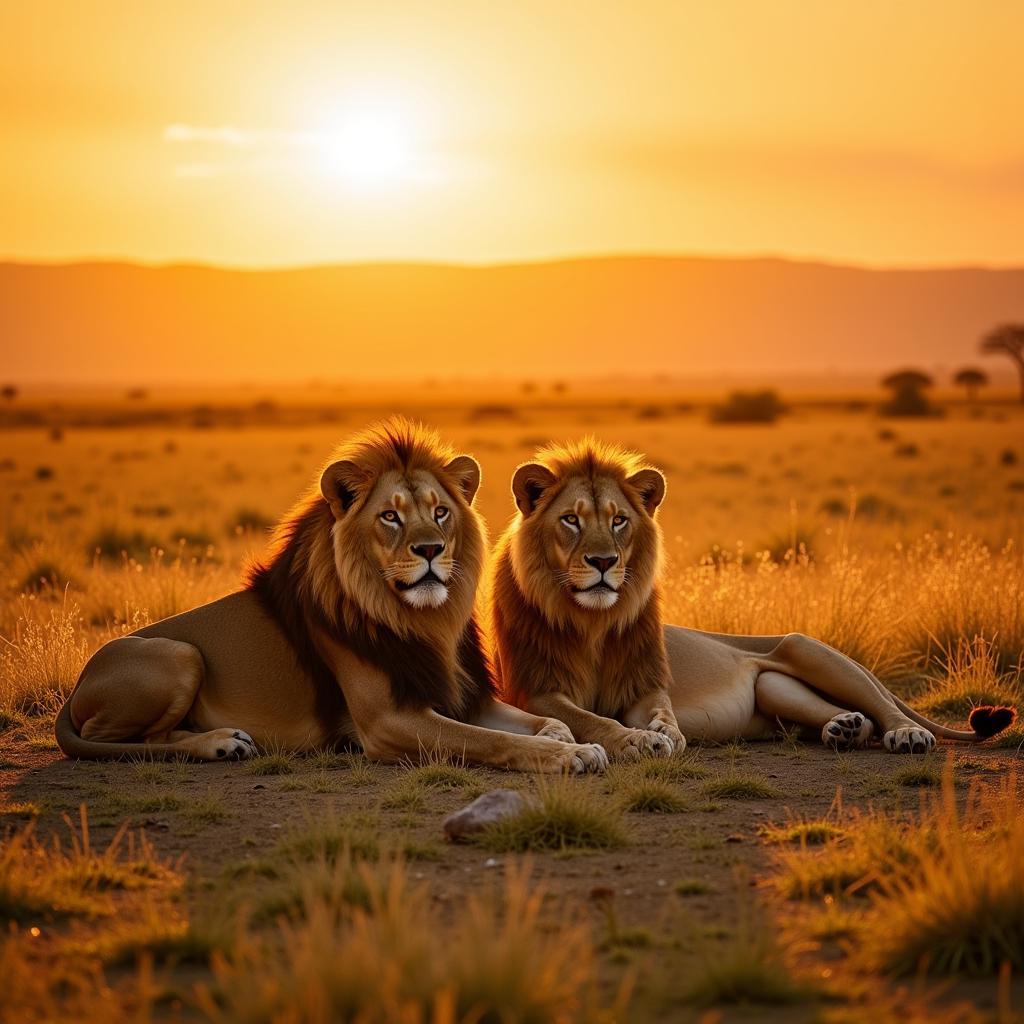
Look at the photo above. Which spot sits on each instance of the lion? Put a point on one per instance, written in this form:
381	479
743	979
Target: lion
575	613
357	631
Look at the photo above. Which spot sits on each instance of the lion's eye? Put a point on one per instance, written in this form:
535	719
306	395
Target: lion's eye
441	513
619	521
571	520
391	516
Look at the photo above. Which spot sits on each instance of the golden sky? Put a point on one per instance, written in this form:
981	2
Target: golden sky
877	131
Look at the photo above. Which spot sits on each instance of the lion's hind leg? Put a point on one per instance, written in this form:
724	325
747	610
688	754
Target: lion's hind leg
788	699
131	699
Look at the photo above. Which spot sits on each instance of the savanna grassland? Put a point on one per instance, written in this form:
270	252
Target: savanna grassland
752	881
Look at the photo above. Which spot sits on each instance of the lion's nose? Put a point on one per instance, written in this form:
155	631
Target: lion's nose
427	551
601	563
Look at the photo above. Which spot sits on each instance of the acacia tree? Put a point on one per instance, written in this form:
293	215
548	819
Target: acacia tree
907	398
970	378
1008	340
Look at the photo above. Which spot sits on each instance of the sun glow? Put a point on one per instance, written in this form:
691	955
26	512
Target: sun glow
369	147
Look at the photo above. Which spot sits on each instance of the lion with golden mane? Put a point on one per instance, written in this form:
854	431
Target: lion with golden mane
578	632
357	630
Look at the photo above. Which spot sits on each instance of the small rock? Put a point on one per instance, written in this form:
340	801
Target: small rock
491	862
259	785
734	839
483	811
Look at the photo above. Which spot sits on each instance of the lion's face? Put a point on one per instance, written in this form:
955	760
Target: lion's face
591	528
594	533
414	532
412	528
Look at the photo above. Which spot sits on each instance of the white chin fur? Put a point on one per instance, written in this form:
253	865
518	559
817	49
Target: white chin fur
429	595
595	599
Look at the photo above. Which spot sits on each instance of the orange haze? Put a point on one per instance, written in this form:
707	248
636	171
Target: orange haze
316	131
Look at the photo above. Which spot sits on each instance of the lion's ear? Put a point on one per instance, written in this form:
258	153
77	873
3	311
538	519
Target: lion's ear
466	471
340	484
650	485
529	484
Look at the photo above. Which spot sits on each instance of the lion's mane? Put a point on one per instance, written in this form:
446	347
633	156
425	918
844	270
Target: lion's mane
316	577
555	644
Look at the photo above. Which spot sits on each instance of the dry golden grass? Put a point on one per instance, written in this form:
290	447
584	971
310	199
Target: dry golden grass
497	964
914	566
40	881
958	907
904	561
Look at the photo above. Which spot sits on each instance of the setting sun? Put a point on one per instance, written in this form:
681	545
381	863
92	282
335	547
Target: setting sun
369	147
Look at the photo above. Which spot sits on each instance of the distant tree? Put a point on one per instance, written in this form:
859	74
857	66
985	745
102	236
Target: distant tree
970	378
748	407
1008	340
10	392
907	387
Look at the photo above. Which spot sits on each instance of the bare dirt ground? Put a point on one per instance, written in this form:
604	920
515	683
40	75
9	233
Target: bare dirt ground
664	904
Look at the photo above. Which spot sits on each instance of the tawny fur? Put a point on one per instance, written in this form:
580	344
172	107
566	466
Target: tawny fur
589	664
543	640
358	628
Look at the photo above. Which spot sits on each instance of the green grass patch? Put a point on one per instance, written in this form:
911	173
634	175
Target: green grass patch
441	776
328	840
737	785
749	968
692	887
563	817
652	796
807	833
270	764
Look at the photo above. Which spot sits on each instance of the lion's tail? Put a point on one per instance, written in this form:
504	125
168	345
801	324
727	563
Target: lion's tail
74	745
986	721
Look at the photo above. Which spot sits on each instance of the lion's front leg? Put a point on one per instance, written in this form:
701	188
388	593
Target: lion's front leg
622	742
399	735
496	714
654	713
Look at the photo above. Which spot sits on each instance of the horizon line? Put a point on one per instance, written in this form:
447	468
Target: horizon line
552	260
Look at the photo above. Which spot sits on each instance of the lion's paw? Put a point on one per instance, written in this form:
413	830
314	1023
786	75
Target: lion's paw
226	745
586	757
671	732
909	739
849	731
633	744
556	730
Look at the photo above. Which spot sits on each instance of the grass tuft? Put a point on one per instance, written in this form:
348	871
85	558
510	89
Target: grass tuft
651	796
692	887
959	907
42	881
563	817
750	968
382	962
735	785
275	763
814	832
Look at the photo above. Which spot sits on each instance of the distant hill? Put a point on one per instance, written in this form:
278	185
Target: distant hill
598	316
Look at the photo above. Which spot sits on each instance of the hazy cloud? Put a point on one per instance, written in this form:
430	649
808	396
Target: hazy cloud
229	135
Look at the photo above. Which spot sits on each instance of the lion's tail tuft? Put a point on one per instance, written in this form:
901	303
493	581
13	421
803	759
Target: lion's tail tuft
987	721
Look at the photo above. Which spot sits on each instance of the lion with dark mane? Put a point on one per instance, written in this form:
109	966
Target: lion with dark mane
358	630
578	632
